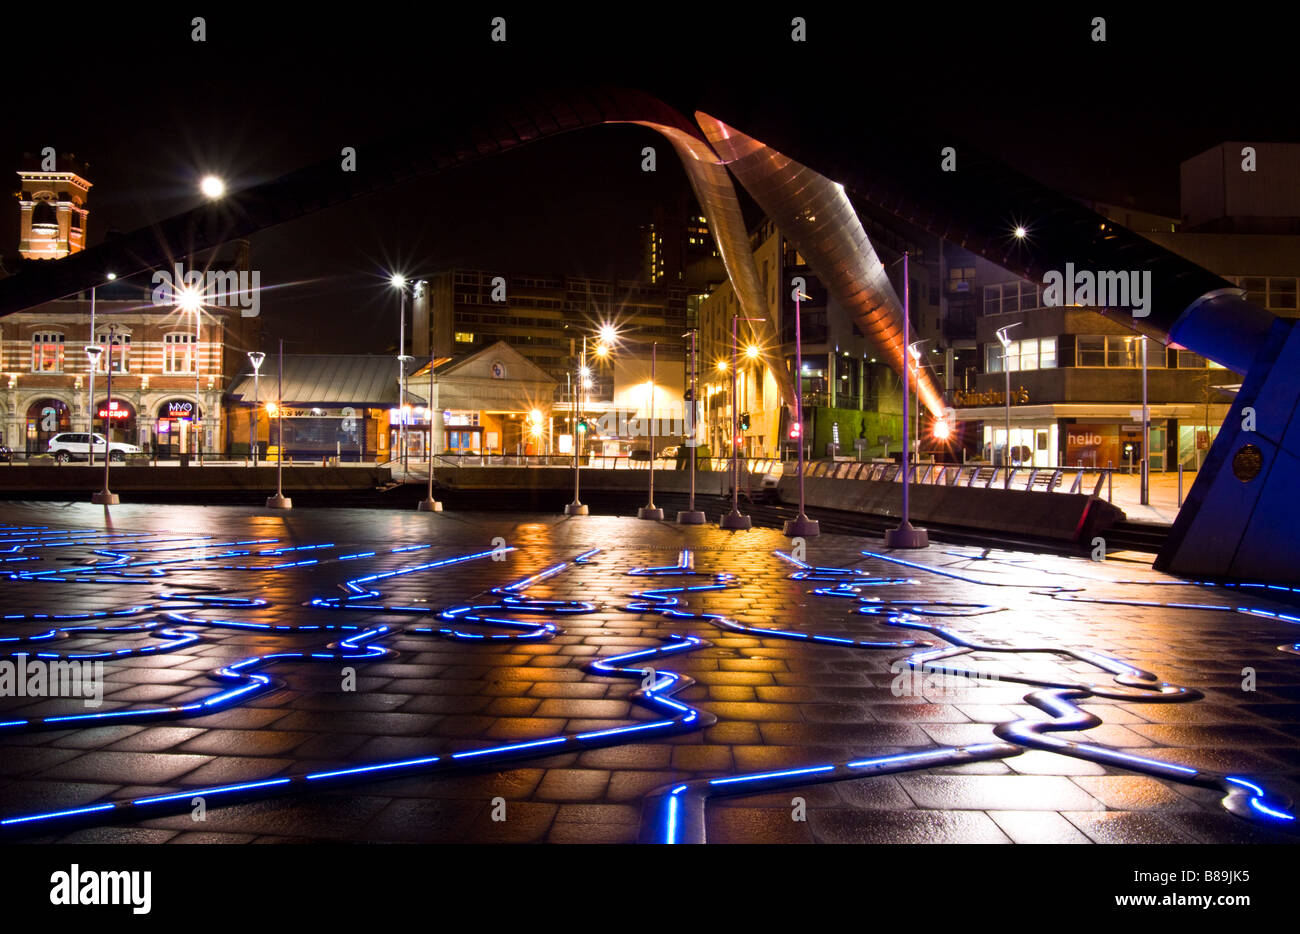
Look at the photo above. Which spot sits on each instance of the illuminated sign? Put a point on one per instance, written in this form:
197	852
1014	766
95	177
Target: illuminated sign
180	409
116	410
1019	396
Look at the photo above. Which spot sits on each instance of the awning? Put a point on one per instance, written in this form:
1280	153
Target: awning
328	380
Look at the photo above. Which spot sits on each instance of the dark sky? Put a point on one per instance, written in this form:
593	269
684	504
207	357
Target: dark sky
150	110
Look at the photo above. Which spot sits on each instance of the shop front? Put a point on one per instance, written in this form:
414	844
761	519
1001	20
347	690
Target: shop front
174	428
1099	436
45	419
119	417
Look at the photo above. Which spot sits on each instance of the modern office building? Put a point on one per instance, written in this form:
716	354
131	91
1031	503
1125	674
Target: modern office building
1076	386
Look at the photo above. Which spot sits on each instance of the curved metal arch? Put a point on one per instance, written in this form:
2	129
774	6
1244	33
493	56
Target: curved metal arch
815	214
439	148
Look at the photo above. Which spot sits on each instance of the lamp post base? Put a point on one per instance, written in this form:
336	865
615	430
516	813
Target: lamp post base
105	498
691	517
801	527
429	505
735	521
575	509
279	501
650	512
905	536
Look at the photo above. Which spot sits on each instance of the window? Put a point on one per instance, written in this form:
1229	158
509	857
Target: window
121	352
1090	351
1122	351
1047	353
1030	354
47	352
464	337
178	356
1116	352
1190	361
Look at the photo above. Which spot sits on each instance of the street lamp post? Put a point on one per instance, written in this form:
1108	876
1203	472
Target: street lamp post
734	520
255	357
801	525
1006	370
906	536
1146	432
691	515
279	500
399	282
429	504
577	507
105	497
650	510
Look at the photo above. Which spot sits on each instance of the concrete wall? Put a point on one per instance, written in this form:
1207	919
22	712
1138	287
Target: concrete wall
1062	516
85	478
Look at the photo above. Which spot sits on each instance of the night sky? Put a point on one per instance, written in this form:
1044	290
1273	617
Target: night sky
151	111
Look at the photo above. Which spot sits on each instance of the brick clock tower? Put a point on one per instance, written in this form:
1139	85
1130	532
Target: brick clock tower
52	206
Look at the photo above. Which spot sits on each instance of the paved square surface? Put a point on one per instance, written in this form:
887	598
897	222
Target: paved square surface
525	678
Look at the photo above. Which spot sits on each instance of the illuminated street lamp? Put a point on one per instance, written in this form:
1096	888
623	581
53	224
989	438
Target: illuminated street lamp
1006	369
279	500
191	302
583	382
691	515
105	497
650	510
906	536
398	282
212	187
255	357
801	525
429	504
734	520
94	364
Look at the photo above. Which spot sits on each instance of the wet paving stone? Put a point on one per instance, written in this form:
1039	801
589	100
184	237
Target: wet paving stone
780	702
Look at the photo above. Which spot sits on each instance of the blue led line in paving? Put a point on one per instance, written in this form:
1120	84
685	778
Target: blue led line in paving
657	696
680	809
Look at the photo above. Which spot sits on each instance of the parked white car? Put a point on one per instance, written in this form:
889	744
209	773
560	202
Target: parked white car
71	445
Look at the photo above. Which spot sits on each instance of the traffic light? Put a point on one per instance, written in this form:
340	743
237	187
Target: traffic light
582	426
744	421
794	431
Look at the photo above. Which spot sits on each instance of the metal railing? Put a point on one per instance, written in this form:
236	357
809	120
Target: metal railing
979	476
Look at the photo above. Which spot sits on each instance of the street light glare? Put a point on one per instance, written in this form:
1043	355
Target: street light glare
752	351
398	280
608	334
1021	233
942	430
190	300
112	276
602	350
722	366
212	187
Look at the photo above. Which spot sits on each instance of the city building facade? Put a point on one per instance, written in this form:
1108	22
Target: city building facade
169	367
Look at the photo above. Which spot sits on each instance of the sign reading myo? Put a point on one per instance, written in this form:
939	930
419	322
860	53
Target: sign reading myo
1102	289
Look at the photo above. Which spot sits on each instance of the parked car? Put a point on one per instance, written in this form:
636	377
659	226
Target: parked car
670	452
71	445
6	454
